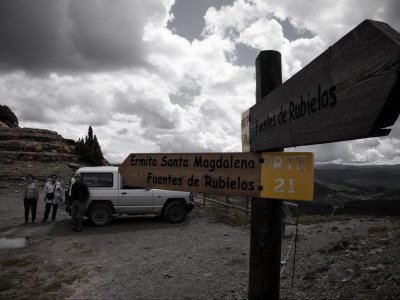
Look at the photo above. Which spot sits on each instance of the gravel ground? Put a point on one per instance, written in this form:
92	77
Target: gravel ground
147	258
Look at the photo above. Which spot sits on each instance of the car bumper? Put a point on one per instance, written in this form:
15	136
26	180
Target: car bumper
190	206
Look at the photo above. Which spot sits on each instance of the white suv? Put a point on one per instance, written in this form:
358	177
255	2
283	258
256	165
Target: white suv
111	195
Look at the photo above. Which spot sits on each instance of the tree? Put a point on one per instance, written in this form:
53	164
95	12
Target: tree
8	117
90	150
90	133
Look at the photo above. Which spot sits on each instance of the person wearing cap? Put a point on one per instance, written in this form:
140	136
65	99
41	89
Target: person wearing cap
30	194
53	196
79	196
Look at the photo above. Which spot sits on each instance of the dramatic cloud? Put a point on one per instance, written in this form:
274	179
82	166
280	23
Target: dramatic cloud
154	76
73	35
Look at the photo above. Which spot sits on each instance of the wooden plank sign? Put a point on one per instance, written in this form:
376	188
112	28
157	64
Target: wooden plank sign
283	175
350	91
210	173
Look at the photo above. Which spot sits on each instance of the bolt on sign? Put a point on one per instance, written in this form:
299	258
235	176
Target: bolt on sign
350	91
279	175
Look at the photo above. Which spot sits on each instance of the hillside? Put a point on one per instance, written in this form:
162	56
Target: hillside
367	182
355	190
38	152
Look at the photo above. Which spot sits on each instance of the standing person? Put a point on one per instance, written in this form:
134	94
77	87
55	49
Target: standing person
53	196
30	194
79	195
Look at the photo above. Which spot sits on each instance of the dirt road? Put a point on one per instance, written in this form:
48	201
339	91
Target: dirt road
147	258
134	258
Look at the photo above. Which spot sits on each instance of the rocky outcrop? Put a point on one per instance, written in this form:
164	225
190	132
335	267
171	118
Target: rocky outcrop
39	152
35	144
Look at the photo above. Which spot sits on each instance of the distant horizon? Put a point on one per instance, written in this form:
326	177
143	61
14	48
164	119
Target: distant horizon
317	164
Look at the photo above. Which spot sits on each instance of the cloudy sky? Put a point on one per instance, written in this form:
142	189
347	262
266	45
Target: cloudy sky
165	75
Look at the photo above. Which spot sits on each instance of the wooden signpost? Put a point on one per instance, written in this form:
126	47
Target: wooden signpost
350	91
280	175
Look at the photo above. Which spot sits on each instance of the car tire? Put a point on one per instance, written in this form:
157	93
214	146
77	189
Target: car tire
100	215
175	212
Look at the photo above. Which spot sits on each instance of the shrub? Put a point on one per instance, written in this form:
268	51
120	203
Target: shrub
8	117
16	262
376	229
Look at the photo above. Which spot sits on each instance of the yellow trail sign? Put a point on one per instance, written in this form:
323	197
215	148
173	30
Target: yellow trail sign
287	175
278	175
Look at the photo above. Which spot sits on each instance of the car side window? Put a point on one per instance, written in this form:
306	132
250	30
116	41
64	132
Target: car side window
126	186
99	180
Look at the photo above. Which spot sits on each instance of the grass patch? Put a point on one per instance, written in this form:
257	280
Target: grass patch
71	280
377	229
316	219
45	291
230	219
33	270
6	283
340	246
53	286
16	262
236	262
312	275
30	283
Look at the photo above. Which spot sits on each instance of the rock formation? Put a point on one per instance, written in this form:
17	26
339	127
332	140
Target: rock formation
38	152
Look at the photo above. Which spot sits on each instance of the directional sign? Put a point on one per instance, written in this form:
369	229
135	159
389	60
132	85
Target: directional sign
278	175
350	91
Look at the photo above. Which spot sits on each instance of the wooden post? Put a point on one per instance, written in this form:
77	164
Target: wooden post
247	207
283	222
266	214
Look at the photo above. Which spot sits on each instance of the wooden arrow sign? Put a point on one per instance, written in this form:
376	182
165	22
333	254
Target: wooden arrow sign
281	175
350	91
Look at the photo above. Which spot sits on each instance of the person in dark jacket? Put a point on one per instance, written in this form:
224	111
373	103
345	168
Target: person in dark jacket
79	195
30	195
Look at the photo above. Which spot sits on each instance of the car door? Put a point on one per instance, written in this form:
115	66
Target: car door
103	186
134	200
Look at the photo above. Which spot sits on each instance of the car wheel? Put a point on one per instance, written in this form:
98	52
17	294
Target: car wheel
100	215
175	212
